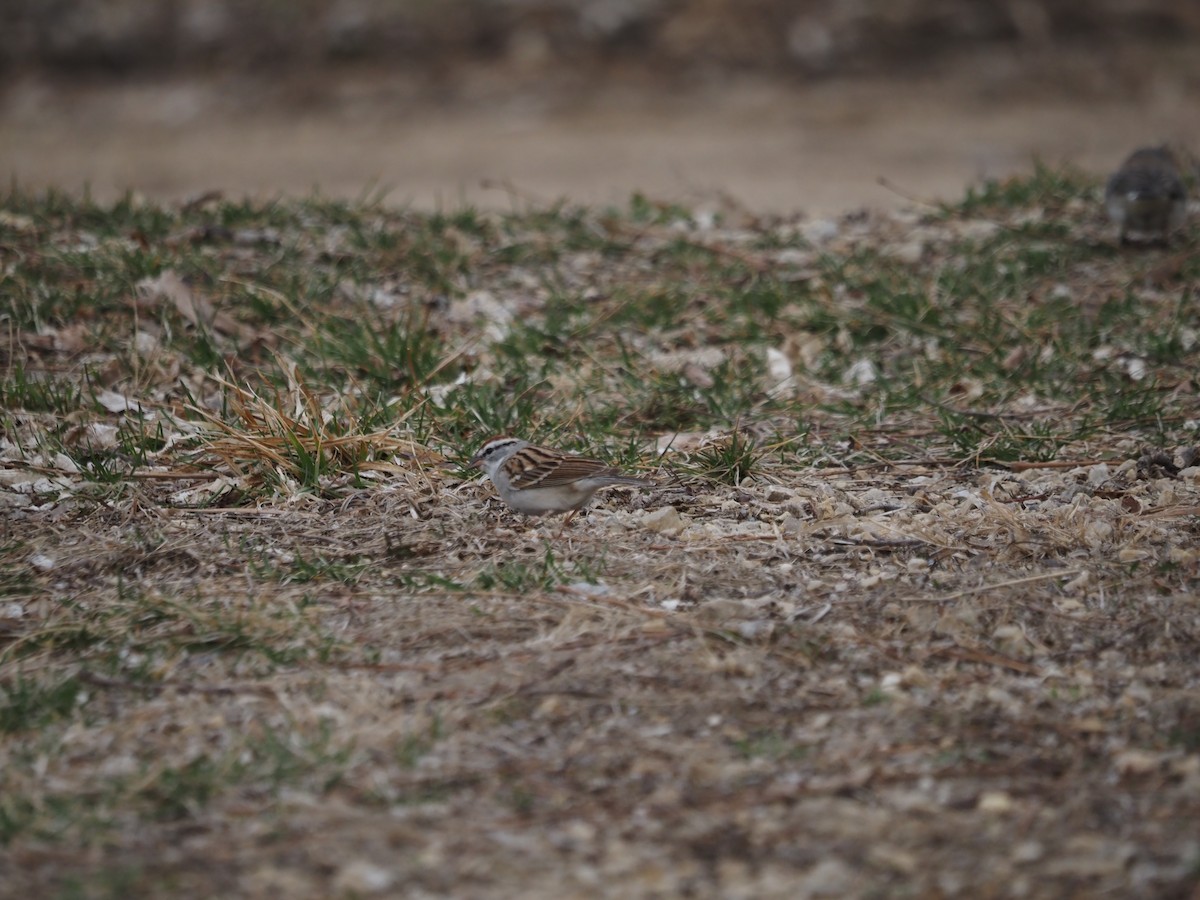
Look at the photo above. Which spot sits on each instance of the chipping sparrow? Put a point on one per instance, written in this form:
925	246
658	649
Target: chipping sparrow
536	481
1146	195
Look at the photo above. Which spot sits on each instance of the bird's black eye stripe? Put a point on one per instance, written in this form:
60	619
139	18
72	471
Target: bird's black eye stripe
492	450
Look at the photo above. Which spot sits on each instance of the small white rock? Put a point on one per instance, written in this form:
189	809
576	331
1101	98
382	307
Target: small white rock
779	367
145	343
994	802
363	877
590	589
663	520
755	629
64	463
1096	534
862	373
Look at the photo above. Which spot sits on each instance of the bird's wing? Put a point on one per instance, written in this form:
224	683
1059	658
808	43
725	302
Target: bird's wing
552	471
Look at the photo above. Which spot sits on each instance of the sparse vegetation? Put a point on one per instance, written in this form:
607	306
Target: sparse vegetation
920	566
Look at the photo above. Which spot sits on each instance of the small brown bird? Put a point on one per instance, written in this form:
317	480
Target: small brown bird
1146	196
535	481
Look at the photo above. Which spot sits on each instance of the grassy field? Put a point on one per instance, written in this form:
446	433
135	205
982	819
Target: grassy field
911	612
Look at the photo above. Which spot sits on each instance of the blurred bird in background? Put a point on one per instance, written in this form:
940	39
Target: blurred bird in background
1146	196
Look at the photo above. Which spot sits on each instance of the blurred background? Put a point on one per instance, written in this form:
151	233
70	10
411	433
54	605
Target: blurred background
780	105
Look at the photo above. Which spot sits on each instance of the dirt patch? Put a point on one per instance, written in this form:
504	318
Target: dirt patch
498	138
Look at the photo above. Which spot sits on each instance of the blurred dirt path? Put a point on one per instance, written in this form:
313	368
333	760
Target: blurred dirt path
775	148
